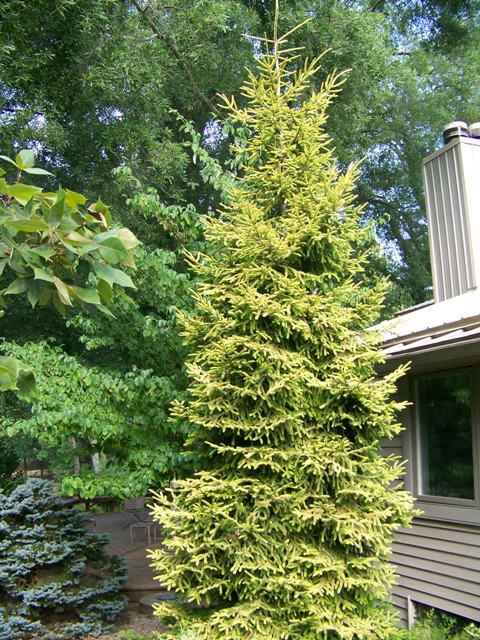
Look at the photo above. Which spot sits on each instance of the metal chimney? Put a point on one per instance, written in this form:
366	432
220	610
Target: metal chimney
452	192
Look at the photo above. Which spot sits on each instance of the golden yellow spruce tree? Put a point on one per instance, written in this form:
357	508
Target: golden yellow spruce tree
285	533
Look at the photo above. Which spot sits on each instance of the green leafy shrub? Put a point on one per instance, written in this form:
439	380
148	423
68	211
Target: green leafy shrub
9	461
54	242
56	580
83	411
58	250
438	625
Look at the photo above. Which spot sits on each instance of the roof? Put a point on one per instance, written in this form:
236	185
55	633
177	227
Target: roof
433	326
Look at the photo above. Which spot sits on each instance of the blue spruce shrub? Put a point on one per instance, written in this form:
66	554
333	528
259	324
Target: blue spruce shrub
56	580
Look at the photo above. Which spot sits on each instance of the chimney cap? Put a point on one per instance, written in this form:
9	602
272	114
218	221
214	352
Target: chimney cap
474	130
455	129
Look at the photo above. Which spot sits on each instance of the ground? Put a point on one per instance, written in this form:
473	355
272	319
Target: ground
136	618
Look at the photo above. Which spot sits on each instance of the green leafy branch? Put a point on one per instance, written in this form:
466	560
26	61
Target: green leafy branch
59	249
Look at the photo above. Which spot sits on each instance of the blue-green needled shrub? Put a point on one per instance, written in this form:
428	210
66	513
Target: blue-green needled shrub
56	579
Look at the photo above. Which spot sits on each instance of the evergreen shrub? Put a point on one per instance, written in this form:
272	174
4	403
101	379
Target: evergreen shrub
56	579
285	533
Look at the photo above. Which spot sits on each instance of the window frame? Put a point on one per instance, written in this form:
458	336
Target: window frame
450	508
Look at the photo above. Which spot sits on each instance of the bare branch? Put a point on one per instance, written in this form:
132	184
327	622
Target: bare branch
180	59
377	5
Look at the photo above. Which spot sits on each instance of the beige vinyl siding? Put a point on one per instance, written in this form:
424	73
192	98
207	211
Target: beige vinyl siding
437	562
401	606
392	446
438	565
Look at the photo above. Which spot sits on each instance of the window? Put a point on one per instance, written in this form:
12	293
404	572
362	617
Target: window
447	460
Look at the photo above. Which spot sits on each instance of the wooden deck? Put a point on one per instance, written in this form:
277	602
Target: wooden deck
140	575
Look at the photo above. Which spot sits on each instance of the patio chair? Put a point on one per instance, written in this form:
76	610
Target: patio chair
135	507
148	526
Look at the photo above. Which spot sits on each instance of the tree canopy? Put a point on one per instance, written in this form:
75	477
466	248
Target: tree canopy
93	83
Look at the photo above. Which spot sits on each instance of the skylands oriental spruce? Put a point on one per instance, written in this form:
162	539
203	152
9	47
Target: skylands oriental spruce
285	533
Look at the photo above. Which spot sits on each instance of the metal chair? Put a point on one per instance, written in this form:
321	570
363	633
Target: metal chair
135	507
147	528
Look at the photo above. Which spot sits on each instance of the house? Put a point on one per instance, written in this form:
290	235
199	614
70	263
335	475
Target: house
438	559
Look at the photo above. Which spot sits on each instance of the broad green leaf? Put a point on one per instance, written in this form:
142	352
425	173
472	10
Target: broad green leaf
86	248
25	159
29	209
22	192
75	239
45	297
128	238
2	172
40	274
38	172
68	224
57	210
104	309
49	195
62	291
31	258
17	264
20	285
7	236
9	160
73	199
124	296
9	369
71	246
33	292
111	233
59	306
85	295
26	386
45	251
105	290
3	186
129	261
112	275
3	264
98	207
28	225
101	212
113	250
